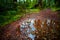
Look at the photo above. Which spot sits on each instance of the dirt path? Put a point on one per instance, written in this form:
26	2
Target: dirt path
10	31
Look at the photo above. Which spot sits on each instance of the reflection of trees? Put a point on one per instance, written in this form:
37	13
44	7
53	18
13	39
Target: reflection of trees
47	32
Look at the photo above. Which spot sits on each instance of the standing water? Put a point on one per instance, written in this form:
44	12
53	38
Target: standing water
27	28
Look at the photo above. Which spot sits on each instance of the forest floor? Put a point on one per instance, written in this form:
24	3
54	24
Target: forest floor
10	31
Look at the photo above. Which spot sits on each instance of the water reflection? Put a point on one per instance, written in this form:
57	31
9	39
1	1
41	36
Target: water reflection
33	29
27	28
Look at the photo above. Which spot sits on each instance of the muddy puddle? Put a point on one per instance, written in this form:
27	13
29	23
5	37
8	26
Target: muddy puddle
33	29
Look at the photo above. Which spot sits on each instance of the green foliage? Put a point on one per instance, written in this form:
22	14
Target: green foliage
9	17
48	3
57	3
7	5
11	10
27	3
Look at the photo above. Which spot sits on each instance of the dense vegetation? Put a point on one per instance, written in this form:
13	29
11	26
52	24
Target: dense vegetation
12	10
